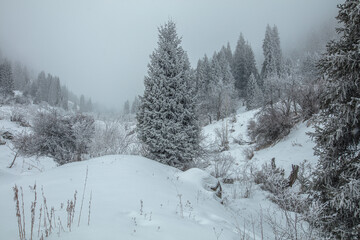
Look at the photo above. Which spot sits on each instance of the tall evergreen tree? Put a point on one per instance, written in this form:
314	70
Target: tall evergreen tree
42	90
203	78
254	97
135	105
272	54
266	69
226	85
82	106
277	53
202	75
228	53
243	65
127	107
337	133
239	65
167	122
19	80
89	105
54	92
64	98
6	79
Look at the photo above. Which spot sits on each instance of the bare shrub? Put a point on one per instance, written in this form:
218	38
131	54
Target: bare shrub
271	124
65	138
246	179
271	178
287	224
222	164
248	153
222	137
19	118
21	99
309	100
112	137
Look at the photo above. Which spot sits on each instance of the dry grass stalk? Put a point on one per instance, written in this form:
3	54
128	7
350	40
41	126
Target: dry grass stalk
33	208
70	211
60	227
18	214
47	219
23	211
73	213
13	162
89	208
40	219
52	216
82	200
141	207
46	215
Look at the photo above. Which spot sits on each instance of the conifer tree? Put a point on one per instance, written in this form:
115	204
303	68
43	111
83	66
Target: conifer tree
40	88
239	64
203	75
54	92
243	65
337	184
277	53
167	122
19	78
82	106
6	79
64	98
254	94
272	65
135	105
202	88
228	53
268	66
126	107
89	105
226	85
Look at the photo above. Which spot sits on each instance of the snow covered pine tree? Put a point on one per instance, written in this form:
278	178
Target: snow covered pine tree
337	185
167	122
6	79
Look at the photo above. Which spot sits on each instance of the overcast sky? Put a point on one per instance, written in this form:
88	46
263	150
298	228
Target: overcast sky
101	48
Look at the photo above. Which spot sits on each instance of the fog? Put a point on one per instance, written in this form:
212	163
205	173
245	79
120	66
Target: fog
101	48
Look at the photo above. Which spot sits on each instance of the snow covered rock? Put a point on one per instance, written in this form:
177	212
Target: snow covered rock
204	180
7	135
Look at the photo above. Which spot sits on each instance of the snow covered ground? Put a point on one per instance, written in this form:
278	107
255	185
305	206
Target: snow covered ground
118	185
293	149
136	198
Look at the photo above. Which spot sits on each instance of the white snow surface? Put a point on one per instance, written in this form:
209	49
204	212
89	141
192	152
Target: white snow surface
292	149
175	204
118	185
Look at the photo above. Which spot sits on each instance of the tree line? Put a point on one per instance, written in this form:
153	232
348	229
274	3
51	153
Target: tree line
44	88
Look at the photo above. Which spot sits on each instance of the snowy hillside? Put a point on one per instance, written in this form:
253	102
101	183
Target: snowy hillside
136	198
293	149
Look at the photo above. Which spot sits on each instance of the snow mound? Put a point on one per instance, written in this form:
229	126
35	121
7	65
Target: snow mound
132	198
